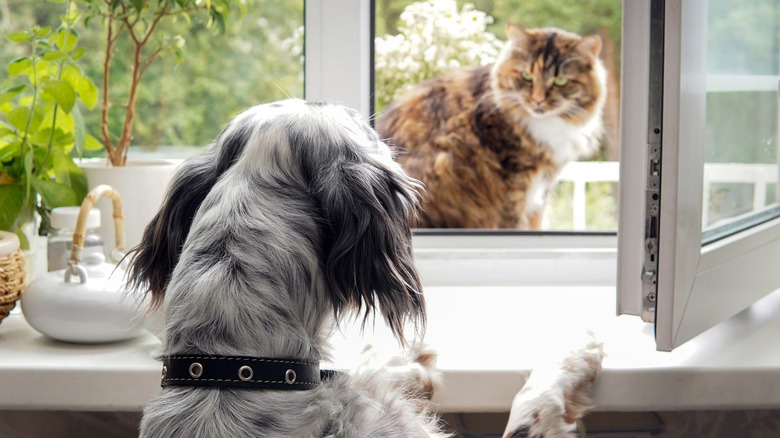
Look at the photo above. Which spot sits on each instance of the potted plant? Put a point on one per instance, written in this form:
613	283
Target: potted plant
135	31
41	125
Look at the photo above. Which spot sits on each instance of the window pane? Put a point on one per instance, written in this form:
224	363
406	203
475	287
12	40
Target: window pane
741	153
417	41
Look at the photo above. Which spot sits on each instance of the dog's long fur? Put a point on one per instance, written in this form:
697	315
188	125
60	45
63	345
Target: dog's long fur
294	216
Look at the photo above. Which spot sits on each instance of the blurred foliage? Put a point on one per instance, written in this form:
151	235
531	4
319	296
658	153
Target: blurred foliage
584	17
258	59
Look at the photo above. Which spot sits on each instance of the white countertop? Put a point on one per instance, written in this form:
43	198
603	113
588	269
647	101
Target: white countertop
487	338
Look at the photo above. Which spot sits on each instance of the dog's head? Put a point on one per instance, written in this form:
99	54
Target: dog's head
334	166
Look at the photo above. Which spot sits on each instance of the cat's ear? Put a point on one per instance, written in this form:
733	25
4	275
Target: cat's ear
515	32
590	44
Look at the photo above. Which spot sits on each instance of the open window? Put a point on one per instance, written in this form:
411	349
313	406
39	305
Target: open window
701	120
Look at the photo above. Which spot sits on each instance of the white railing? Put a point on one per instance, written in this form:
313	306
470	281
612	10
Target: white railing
759	175
580	173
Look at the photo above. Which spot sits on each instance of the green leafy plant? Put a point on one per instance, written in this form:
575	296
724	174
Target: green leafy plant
42	125
141	22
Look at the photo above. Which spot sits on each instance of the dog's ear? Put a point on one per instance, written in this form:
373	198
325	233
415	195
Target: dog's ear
366	201
152	261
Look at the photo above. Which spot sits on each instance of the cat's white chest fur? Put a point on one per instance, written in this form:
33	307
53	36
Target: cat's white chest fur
568	142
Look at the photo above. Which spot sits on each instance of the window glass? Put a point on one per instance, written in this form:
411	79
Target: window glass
741	152
421	40
183	103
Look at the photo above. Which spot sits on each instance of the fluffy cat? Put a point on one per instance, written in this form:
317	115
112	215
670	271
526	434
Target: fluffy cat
489	142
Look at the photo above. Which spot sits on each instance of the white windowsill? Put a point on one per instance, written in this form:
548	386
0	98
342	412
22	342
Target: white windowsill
486	337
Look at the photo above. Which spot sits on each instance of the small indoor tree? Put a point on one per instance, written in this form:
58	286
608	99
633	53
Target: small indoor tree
142	23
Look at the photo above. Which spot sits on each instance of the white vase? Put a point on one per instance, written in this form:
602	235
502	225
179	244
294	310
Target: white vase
141	184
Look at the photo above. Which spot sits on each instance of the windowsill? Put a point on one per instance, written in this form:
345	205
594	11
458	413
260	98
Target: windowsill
486	338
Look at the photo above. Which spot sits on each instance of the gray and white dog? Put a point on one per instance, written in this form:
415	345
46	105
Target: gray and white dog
294	217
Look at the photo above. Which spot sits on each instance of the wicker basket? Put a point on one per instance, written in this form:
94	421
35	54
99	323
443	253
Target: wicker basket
11	281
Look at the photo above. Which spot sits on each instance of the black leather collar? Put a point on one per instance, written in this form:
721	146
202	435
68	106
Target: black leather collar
241	372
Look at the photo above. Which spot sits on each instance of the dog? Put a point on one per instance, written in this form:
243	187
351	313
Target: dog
293	219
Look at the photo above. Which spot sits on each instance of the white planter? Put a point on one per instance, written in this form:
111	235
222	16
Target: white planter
141	184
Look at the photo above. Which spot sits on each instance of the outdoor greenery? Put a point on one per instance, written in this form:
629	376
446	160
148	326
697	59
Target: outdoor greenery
186	100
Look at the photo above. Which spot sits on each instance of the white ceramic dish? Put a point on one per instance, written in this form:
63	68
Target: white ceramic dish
88	308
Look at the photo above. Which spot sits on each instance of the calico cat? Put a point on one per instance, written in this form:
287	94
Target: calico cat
489	142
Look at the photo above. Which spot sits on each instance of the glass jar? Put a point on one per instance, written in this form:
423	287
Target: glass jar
60	240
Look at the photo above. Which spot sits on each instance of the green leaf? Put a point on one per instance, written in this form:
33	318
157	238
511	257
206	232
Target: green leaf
5	130
53	55
54	194
68	173
85	88
62	93
92	144
138	4
79	131
29	162
18	37
66	39
18	117
42	32
8	152
78	53
62	123
12	199
19	65
10	93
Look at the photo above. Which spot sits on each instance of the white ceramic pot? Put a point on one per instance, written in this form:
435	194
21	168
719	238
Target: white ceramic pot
141	184
88	307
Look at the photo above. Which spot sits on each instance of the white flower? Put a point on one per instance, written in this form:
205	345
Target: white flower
434	38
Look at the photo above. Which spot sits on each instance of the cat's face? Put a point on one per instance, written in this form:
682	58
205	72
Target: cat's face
551	73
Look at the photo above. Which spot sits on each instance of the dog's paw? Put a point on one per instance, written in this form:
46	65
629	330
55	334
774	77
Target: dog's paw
553	400
578	373
412	371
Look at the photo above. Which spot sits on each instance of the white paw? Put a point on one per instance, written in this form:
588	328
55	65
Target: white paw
553	400
412	371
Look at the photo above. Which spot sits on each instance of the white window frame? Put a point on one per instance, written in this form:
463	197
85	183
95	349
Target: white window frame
697	286
337	67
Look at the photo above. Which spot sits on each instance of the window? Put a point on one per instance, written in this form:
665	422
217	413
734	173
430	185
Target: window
418	40
338	62
705	251
697	285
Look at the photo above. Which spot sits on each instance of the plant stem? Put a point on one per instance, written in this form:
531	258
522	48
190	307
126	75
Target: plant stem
33	55
106	104
138	69
59	77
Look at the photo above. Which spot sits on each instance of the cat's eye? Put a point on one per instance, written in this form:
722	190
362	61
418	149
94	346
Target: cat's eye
527	76
560	81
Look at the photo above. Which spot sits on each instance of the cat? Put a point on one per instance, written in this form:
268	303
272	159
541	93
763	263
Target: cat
489	142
